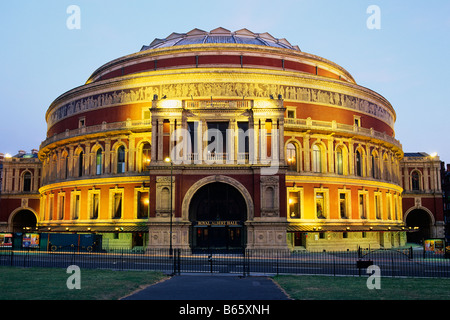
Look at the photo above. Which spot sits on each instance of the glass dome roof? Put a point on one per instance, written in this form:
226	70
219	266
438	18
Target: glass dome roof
220	35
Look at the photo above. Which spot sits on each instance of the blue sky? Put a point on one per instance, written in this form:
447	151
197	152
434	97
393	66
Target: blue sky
406	61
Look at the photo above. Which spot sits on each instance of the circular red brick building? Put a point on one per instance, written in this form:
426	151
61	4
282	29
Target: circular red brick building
223	140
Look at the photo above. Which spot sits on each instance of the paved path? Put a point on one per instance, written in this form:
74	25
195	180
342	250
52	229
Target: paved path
211	287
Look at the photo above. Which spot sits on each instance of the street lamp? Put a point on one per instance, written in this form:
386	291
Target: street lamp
171	178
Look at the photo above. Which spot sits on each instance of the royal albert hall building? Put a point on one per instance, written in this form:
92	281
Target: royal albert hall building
223	140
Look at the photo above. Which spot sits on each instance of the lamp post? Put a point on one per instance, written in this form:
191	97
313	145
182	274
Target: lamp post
170	231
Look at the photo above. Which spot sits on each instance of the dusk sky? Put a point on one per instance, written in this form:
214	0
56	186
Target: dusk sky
406	59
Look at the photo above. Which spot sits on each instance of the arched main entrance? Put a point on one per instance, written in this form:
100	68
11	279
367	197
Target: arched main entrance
420	219
218	212
24	220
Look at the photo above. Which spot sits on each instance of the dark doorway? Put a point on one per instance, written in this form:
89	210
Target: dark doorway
24	220
418	219
138	239
218	212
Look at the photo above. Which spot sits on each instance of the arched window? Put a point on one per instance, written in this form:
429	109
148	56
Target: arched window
99	162
339	161
358	164
316	158
27	182
291	157
80	164
375	166
66	167
415	181
146	156
121	159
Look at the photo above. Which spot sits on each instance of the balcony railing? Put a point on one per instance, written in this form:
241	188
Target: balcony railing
309	124
305	124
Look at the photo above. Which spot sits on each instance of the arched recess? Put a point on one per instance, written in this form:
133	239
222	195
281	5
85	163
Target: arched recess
23	217
293	155
143	155
421	218
217	178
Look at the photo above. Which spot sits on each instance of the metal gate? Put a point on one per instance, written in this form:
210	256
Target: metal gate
210	261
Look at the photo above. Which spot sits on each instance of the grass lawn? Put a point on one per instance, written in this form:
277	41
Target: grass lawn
355	288
50	284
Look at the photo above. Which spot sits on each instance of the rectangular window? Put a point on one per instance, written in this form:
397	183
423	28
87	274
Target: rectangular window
142	204
75	210
243	142
343	206
320	205
51	201
81	122
363	204
217	140
378	205
61	206
294	205
339	162
291	112
193	129
94	203
116	198
396	208
389	206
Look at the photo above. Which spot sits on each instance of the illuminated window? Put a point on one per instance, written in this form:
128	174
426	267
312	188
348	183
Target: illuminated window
142	204
294	205
291	157
146	156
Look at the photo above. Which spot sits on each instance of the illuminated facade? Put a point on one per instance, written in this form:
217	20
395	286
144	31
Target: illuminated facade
269	147
423	204
20	179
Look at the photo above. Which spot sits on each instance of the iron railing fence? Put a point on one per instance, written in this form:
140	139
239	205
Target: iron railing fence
391	263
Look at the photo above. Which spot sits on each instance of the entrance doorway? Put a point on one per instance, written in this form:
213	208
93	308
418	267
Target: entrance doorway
421	219
24	221
218	212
